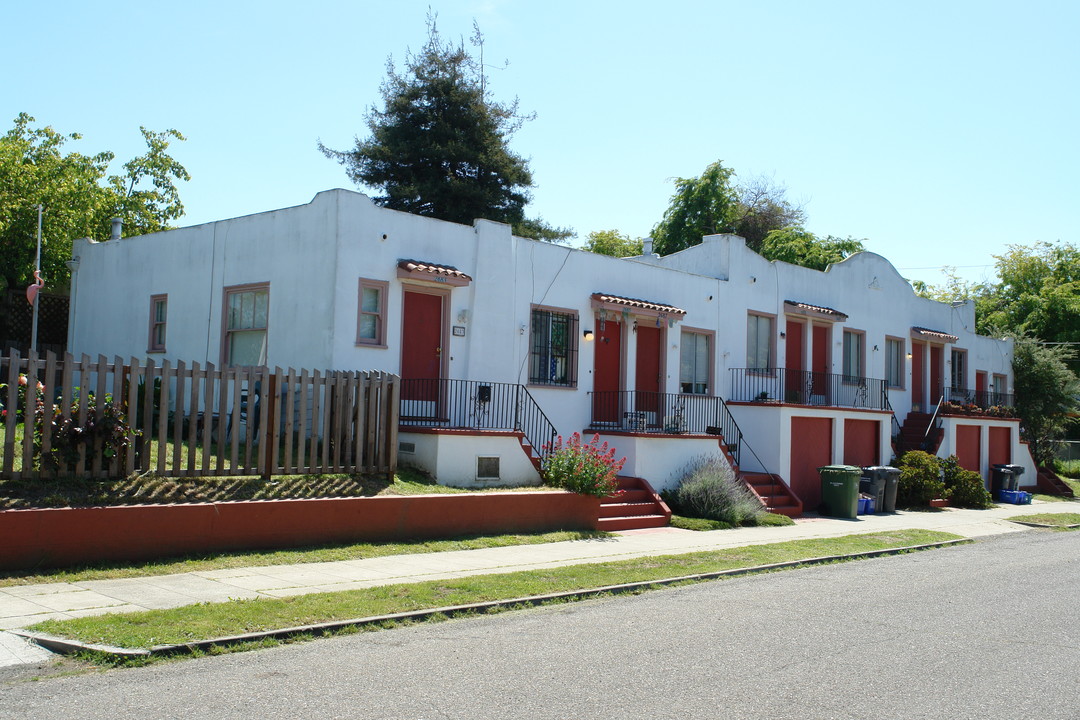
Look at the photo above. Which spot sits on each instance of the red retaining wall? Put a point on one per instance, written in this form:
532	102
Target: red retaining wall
69	536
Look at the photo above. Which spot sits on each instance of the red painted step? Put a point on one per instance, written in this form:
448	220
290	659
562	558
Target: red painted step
1048	482
635	506
773	493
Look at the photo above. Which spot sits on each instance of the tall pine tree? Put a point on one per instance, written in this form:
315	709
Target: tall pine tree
439	146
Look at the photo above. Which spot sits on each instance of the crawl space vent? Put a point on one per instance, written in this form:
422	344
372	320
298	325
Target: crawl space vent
487	467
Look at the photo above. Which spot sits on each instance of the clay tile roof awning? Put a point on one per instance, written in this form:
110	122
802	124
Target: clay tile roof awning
819	311
431	272
640	307
938	335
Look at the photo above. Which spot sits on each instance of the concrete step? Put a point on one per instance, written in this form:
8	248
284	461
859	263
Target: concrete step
630	496
633	522
622	509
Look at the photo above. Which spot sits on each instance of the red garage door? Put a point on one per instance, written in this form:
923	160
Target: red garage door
1000	450
861	446
969	446
811	447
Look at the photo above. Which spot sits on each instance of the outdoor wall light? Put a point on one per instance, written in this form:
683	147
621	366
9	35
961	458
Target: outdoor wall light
909	356
588	336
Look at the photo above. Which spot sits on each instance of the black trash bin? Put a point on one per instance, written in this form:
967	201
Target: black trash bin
1017	471
873	484
890	479
1002	478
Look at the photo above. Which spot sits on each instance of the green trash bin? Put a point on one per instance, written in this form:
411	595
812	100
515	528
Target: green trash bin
840	490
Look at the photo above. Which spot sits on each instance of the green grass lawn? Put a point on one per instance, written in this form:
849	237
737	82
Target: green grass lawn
151	489
1054	519
703	524
214	620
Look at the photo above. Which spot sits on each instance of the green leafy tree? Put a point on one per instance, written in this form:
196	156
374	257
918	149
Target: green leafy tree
77	195
439	146
1038	292
704	205
798	246
1046	394
613	243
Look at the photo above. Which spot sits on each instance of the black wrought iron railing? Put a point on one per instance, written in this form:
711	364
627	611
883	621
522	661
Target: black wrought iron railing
932	429
476	405
801	387
896	427
665	414
984	399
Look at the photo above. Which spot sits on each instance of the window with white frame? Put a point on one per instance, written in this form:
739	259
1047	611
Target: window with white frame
853	355
759	338
371	315
246	314
159	307
894	362
553	348
694	363
1001	386
959	370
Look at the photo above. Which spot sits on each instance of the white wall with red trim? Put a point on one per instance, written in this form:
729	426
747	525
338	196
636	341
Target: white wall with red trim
313	256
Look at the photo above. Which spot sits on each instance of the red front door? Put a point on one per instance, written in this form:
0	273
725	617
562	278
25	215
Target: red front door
820	361
647	369
936	368
793	382
421	345
918	390
607	372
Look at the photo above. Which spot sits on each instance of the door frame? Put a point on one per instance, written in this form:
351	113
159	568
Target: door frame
444	324
622	385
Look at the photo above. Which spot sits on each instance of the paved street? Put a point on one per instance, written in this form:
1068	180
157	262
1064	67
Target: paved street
979	631
28	604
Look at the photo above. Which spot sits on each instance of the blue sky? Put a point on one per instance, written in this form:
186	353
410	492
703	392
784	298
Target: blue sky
939	131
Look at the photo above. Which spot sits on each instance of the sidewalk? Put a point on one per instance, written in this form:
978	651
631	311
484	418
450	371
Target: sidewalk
25	605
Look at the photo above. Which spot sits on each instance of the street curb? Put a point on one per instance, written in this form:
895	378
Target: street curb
1045	525
67	647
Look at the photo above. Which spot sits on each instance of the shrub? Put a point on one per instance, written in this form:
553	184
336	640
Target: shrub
69	438
709	489
20	399
1067	468
583	468
965	488
920	479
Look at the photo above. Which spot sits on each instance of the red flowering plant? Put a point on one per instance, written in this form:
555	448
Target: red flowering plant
586	468
20	399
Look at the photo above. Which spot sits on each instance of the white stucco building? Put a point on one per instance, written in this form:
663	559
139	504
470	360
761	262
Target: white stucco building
667	357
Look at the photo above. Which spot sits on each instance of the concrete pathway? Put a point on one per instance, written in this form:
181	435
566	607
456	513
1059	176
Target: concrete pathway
24	605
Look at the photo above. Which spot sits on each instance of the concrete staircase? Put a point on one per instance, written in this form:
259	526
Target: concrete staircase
633	507
1048	482
913	431
774	493
530	451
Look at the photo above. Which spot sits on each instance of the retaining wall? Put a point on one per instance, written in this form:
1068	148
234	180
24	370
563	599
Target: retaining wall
59	537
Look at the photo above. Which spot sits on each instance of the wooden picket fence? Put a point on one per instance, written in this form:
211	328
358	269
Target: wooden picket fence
191	420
